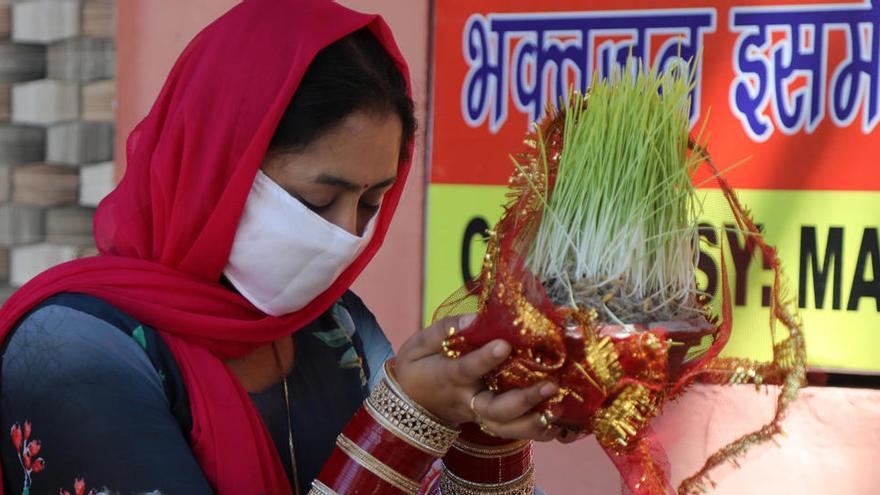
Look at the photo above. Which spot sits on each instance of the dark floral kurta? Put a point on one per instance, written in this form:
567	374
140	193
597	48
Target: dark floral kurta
93	401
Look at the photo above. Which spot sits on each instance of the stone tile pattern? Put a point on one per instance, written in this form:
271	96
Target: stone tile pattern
57	101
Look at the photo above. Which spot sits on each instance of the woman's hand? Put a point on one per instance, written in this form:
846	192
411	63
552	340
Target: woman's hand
453	390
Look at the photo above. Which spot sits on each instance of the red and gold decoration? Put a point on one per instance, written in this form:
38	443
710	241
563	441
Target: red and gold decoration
613	378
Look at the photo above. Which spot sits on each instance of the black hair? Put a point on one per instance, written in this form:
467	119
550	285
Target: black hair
349	75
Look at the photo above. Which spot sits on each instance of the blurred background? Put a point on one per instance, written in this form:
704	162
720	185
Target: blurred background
57	114
77	75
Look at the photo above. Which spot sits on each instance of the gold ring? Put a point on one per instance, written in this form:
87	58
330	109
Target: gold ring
473	406
448	351
546	420
485	429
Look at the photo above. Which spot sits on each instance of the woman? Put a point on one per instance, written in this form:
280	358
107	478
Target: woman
213	346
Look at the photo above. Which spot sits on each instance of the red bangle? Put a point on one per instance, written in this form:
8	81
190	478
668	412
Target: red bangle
386	448
370	459
477	462
342	474
492	465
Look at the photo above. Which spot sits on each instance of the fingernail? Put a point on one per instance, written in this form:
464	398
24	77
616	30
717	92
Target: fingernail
500	349
548	389
465	321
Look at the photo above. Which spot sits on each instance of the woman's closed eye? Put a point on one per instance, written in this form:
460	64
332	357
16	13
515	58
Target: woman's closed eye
369	206
317	208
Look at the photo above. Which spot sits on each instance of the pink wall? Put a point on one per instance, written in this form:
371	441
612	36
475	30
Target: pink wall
832	445
151	34
834	434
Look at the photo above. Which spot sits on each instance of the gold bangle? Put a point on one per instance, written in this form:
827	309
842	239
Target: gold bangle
397	413
319	488
403	419
490	452
398	432
375	466
450	484
398	390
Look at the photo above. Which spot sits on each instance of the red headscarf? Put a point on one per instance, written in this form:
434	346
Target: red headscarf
165	233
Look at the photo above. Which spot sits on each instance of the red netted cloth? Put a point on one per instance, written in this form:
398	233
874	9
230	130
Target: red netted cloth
614	379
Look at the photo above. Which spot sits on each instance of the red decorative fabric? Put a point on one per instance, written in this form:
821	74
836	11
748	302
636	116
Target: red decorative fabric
165	233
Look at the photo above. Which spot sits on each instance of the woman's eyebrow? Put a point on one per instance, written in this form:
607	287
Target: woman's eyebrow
332	180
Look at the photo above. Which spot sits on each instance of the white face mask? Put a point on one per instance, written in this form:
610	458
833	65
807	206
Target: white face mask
284	254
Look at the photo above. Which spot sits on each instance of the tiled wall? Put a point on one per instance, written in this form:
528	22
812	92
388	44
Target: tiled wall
57	70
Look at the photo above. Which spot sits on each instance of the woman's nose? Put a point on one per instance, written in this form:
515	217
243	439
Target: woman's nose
344	216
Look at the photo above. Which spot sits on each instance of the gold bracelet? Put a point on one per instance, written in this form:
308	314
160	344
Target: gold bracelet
398	390
319	488
490	452
450	484
402	435
375	466
401	417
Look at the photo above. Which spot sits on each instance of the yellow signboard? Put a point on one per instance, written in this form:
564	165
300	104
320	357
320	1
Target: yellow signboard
832	262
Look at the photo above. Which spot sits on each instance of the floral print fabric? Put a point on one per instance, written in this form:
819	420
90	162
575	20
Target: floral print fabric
94	402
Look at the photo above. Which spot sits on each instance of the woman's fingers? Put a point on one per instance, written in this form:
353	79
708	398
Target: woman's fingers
430	340
525	427
472	366
549	435
451	387
566	436
513	403
507	415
